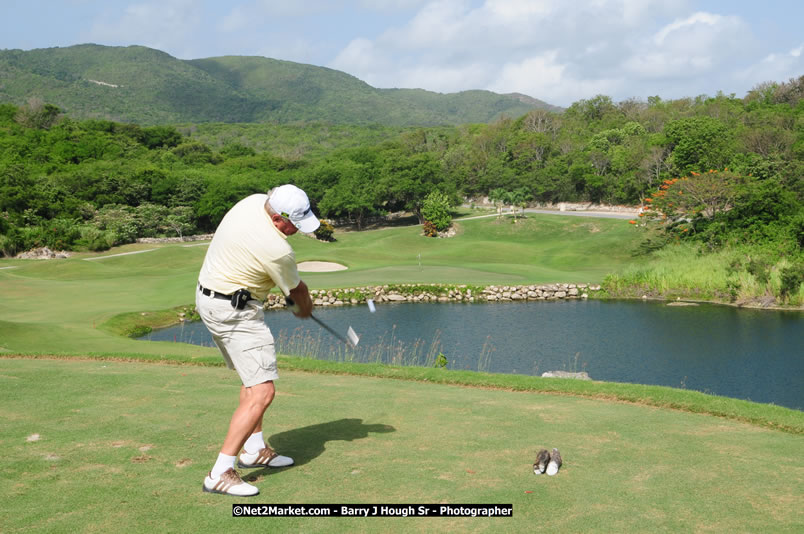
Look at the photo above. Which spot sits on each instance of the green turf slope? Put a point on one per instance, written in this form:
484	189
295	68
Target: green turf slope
103	446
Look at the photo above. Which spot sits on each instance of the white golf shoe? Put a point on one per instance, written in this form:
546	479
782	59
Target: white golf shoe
555	463
265	457
229	483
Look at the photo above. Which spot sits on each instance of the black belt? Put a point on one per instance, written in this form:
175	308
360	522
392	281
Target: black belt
210	293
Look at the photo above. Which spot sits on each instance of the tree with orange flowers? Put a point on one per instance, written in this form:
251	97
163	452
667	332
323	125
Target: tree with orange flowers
703	195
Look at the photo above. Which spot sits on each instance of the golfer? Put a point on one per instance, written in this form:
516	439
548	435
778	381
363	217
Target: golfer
249	255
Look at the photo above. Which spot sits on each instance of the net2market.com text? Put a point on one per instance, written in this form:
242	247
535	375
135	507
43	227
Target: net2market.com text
372	510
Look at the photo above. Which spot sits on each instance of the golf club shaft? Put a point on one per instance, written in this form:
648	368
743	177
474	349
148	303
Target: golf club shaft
292	305
328	329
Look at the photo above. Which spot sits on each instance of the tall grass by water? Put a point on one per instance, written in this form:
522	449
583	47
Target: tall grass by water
392	351
389	350
682	270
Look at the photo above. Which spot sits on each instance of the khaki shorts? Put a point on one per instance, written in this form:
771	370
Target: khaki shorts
242	336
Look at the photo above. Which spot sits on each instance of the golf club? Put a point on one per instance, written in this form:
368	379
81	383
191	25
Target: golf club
352	340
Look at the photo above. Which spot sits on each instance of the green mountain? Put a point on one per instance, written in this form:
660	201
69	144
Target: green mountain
147	86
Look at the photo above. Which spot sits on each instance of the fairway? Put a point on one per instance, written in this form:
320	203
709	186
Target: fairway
106	444
538	249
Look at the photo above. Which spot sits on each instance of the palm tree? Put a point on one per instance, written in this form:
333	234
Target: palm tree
515	198
497	196
522	198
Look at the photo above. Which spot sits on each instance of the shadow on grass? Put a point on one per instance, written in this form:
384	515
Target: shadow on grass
387	222
309	442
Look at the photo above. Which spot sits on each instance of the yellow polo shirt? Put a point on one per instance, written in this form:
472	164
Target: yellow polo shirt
247	251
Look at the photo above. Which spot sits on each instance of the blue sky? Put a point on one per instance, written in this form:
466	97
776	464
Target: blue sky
558	51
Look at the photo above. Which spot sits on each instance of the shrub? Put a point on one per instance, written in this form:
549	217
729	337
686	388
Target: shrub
150	219
325	232
10	238
791	277
430	229
57	234
138	331
61	233
8	246
435	209
236	150
760	270
120	221
733	286
37	114
652	244
194	153
95	239
159	136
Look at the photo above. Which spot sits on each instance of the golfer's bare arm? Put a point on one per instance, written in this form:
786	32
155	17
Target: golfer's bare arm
301	296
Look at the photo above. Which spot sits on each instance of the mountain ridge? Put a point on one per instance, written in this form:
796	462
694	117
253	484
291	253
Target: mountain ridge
148	86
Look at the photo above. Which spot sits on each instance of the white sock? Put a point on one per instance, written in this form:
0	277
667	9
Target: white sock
254	443
222	465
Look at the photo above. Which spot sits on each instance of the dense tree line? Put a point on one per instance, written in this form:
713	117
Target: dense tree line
95	183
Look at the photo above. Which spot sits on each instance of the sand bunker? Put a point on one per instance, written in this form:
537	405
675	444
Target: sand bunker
320	267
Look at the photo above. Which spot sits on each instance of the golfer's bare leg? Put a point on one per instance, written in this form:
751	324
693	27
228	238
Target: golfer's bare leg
247	418
258	426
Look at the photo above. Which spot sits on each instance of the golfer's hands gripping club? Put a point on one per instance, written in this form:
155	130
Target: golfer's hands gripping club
292	306
299	301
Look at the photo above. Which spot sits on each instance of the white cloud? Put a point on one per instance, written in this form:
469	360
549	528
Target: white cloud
560	51
167	25
538	47
634	12
541	71
513	10
386	6
445	79
688	47
259	13
361	56
680	26
237	19
438	24
778	67
546	78
282	8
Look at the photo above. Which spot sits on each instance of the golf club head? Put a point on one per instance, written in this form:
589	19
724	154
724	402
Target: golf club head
352	337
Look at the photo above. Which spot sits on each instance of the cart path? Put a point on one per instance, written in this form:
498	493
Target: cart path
121	254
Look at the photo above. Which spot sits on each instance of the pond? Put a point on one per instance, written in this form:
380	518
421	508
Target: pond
746	354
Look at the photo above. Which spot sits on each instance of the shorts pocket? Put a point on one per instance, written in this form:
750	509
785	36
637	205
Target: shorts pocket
257	365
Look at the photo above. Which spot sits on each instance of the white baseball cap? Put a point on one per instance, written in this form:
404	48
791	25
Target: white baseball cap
291	202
